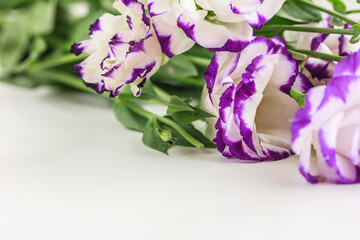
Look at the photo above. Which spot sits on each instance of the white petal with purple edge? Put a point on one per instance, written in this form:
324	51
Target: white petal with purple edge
165	14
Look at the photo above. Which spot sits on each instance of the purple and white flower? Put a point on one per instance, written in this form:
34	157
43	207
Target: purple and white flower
216	25
326	132
122	50
319	70
249	93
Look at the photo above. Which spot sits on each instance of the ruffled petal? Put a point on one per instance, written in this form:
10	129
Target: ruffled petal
172	39
230	37
263	13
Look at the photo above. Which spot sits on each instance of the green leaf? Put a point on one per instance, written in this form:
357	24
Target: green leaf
178	105
356	37
38	47
151	137
148	90
177	67
339	7
277	20
22	81
298	56
40	17
336	22
80	30
11	3
128	118
298	96
300	11
13	44
186	117
282	20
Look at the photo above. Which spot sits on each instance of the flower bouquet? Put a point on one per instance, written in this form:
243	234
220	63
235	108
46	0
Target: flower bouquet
270	78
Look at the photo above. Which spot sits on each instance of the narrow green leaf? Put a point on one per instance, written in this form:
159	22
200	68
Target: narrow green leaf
22	81
13	44
298	96
301	11
177	67
282	20
148	90
40	17
185	117
178	105
338	6
38	47
336	22
297	55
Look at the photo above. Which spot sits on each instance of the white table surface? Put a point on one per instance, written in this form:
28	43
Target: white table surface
69	170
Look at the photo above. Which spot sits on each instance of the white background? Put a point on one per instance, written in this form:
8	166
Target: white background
69	170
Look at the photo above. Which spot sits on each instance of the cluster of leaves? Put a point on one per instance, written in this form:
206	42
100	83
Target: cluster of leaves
35	38
36	35
162	132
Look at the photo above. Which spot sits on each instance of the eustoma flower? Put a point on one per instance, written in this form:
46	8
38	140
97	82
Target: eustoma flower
122	50
326	133
319	70
248	90
216	25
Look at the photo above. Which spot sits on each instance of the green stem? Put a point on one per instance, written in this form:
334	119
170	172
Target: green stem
321	55
328	11
54	62
139	110
307	29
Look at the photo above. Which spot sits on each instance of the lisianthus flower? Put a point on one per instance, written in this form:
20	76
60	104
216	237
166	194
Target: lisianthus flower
249	93
319	70
122	50
213	24
326	132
